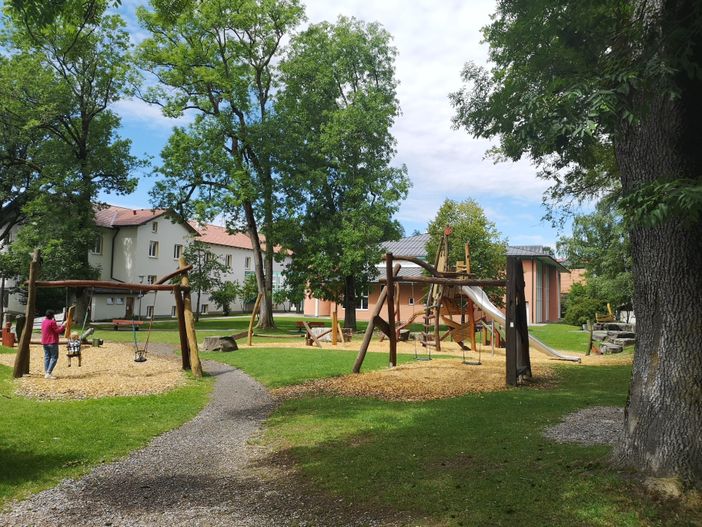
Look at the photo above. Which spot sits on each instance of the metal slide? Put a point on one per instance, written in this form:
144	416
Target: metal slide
477	295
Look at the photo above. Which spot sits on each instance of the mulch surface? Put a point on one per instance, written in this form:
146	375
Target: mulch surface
420	381
106	371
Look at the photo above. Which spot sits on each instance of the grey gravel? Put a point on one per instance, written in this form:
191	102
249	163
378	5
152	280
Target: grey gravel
595	425
209	472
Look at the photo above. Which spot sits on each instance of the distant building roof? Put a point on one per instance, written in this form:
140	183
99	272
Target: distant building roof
410	246
219	236
114	216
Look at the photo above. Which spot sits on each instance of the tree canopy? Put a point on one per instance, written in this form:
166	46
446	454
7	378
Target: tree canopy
334	113
604	97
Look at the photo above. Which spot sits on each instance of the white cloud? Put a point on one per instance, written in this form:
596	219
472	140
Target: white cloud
150	115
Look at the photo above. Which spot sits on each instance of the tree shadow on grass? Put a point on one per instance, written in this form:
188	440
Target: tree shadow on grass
472	460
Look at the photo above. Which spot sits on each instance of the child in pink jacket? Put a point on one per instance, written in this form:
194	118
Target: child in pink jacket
50	332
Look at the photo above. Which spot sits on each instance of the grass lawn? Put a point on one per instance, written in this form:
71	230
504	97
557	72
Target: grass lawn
43	442
277	367
472	460
562	337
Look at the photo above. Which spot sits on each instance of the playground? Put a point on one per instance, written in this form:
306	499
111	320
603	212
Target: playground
442	438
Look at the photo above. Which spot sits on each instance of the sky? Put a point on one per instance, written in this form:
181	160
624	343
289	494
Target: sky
433	40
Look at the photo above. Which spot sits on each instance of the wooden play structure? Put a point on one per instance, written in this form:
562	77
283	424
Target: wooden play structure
444	300
181	293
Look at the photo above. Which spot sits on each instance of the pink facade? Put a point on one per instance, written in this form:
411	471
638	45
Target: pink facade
542	292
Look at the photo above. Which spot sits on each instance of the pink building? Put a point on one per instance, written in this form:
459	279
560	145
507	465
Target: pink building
542	276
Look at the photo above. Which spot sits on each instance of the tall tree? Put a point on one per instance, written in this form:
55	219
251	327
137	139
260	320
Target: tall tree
574	83
218	59
64	71
600	244
334	116
206	275
488	248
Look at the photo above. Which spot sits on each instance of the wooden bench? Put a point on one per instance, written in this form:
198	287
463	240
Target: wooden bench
118	323
300	325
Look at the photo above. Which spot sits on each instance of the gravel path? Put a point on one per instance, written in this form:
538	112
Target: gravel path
595	425
205	473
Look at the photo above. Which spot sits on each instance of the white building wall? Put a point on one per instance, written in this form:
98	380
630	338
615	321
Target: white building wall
131	263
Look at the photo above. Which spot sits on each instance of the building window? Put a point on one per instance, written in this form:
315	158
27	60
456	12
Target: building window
153	249
173	311
204	308
97	248
109	300
228	261
363	300
151	279
119	300
154	227
410	301
177	251
247	262
149	311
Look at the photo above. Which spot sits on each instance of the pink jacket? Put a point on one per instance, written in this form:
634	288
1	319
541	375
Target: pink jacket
50	331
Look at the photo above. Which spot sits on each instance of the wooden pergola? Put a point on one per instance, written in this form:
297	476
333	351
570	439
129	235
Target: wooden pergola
181	291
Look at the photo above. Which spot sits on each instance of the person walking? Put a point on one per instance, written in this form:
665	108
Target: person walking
50	332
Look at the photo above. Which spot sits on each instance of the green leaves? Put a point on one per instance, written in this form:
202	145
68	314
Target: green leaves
664	200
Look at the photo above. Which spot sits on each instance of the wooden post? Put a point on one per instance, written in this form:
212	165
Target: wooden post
68	324
371	324
190	322
590	327
182	331
492	336
392	335
335	321
257	306
22	358
471	325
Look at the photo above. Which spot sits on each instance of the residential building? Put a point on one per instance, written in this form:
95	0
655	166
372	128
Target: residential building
541	277
141	245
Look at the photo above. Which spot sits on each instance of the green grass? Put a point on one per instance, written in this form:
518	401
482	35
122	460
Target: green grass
43	442
472	460
276	367
562	337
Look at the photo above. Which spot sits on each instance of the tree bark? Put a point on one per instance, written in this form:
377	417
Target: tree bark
350	302
663	415
266	315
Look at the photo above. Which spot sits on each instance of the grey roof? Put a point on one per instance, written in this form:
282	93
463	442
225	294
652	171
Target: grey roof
528	250
410	246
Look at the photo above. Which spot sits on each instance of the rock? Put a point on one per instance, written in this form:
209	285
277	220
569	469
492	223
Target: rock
599	335
621	334
624	341
220	344
607	347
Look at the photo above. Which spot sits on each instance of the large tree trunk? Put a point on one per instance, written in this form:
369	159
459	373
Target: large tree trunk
266	313
350	302
664	411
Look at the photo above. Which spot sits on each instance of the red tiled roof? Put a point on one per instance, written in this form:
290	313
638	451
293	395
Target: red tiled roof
114	216
219	236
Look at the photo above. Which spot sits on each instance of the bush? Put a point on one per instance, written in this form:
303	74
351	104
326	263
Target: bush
581	304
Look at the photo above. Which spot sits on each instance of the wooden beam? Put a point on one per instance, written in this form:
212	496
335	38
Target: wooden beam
448	281
106	284
382	325
371	324
21	365
257	306
182	331
175	273
392	337
334	333
195	365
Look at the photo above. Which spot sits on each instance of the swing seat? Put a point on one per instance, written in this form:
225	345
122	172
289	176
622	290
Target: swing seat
140	355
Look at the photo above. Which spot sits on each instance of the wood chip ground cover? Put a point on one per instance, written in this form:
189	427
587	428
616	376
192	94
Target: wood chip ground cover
106	371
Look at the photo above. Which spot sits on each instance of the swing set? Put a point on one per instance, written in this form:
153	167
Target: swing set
181	292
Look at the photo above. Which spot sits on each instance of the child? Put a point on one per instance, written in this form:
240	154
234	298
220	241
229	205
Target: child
50	332
74	348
